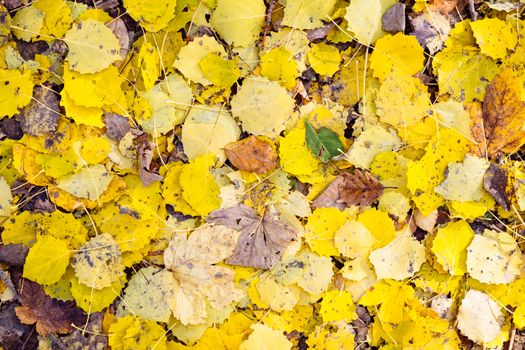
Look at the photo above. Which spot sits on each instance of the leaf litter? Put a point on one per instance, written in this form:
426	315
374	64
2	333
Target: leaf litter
262	175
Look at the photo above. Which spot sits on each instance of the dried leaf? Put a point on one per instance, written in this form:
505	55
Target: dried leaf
50	315
393	20
252	154
359	188
116	126
503	114
495	182
262	240
42	114
145	150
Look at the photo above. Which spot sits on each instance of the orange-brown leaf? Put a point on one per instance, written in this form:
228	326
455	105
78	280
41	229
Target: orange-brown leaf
252	154
504	114
359	188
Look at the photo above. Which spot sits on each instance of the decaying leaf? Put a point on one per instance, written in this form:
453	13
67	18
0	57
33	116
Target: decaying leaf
145	149
262	240
41	114
359	188
116	126
503	114
252	154
479	317
98	263
495	182
50	315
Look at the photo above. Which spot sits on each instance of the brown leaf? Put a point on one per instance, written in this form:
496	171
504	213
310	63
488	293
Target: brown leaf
262	240
359	188
145	149
393	20
495	182
50	315
93	339
252	154
41	115
13	334
116	126
330	196
503	114
13	254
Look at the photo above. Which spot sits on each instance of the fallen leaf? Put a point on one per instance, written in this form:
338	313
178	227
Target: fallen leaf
307	14
324	144
89	337
495	182
116	126
40	117
494	36
88	183
252	154
145	149
50	315
359	188
262	240
47	260
478	317
262	334
393	20
450	246
364	19
130	332
503	114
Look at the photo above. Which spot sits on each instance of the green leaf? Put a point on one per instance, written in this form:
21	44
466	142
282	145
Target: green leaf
324	144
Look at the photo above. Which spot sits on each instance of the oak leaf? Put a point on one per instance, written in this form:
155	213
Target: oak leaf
50	315
503	114
262	240
252	154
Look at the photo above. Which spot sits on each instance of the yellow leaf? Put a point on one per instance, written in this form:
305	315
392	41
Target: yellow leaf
371	142
337	306
494	37
354	240
153	16
335	336
478	317
89	183
428	172
16	90
279	65
149	64
276	296
400	259
199	189
317	273
132	333
402	101
265	338
307	14
379	224
28	22
94	300
5	198
219	71
494	257
396	53
321	228
450	246
208	130
324	59
254	114
57	18
92	47
187	62
364	19
239	24
47	260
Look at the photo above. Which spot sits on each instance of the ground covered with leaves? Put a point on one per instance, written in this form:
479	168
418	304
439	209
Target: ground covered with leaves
225	174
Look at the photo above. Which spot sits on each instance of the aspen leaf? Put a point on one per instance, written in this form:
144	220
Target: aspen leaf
263	337
57	19
317	273
321	228
278	64
307	14
254	114
354	240
364	19
494	257
150	294
396	53
379	224
92	46
129	332
208	130
94	300
337	306
450	246
28	22
400	259
219	71
16	90
324	59
238	24
464	182
5	198
152	16
47	260
89	183
278	297
199	189
98	263
190	56
370	143
333	336
478	317
494	37
295	157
